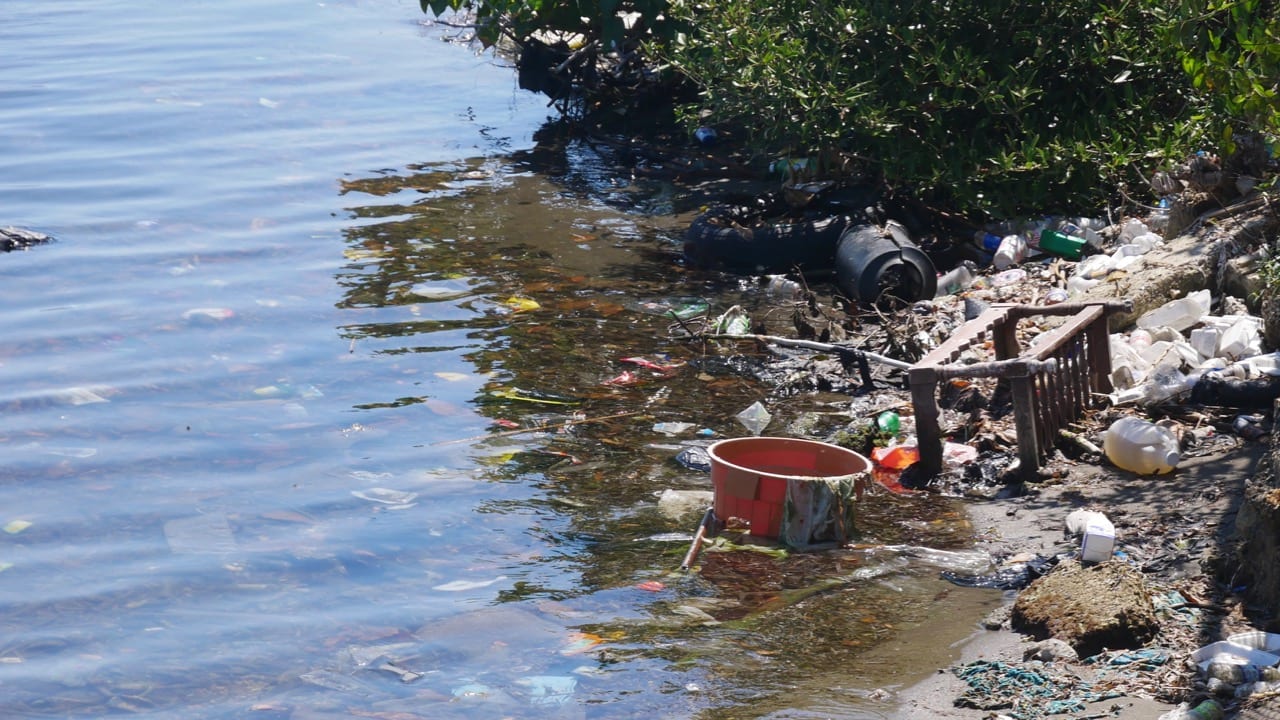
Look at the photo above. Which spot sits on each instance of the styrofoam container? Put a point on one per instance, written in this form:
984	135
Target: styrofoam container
1099	539
1225	651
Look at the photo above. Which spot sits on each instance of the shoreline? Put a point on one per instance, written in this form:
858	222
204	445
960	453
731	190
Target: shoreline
1207	488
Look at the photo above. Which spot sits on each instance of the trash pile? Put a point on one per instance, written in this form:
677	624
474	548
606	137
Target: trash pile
1189	377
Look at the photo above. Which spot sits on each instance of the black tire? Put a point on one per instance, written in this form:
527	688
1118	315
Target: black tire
739	238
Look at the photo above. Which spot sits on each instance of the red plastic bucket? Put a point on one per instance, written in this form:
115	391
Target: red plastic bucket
749	476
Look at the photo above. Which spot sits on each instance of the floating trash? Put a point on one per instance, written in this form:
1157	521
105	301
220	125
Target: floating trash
79	396
16	526
386	496
210	313
549	689
447	289
200	534
464	585
755	418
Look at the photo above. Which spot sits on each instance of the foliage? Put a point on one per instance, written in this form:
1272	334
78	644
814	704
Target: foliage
997	106
1231	50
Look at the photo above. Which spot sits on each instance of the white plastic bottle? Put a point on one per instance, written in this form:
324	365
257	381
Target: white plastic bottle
1178	314
1141	446
1011	251
956	280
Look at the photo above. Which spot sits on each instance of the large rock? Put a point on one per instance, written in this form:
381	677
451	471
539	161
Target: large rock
1093	608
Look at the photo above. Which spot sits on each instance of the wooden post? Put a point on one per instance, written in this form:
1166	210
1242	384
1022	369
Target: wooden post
924	399
1022	386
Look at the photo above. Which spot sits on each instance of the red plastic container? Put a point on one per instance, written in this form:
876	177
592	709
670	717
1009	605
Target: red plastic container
749	476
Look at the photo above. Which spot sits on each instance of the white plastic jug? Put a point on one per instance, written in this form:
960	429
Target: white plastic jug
1141	446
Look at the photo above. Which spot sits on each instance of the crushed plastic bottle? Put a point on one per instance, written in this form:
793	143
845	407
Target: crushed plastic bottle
1012	276
781	286
956	280
1207	710
1056	295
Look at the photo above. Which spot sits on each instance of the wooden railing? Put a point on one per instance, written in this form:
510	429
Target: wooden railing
1051	384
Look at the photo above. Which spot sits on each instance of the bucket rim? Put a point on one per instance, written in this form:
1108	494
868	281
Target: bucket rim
716	458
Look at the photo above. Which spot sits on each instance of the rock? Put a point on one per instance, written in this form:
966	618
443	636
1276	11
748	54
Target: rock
1103	606
1051	650
997	619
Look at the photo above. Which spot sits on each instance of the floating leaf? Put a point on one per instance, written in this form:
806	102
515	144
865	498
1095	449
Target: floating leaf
520	304
528	396
580	642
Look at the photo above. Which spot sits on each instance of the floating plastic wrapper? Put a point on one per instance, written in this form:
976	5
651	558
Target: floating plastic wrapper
755	418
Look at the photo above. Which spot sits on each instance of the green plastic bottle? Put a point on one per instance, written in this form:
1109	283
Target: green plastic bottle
1062	244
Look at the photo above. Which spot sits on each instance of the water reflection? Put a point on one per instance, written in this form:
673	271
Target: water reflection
304	417
552	312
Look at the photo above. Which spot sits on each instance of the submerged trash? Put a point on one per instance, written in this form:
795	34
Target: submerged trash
200	534
755	418
463	585
549	690
695	457
397	499
673	428
1012	577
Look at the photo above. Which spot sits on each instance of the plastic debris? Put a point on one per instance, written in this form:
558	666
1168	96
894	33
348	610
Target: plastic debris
446	289
396	499
549	689
673	428
695	457
1141	446
1097	535
464	585
79	396
1179	314
200	534
755	418
521	304
208	314
734	321
16	526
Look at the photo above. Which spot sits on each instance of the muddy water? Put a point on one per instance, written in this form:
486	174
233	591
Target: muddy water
317	407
